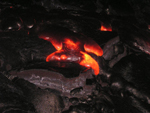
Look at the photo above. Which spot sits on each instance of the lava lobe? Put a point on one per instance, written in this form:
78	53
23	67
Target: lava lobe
73	49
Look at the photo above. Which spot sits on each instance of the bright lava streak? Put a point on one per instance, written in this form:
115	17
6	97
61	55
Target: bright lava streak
96	49
52	56
88	61
70	44
55	43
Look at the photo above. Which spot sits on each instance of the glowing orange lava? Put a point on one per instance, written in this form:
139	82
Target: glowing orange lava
88	61
104	28
52	56
70	44
63	57
69	50
57	44
96	49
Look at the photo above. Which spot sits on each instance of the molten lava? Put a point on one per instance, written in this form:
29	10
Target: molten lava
70	44
96	49
63	57
69	50
53	56
89	62
105	27
56	43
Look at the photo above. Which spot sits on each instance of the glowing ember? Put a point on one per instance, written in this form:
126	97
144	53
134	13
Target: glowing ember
69	50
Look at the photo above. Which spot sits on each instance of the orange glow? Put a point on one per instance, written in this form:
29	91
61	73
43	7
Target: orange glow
50	57
55	43
63	57
96	49
70	44
53	56
104	28
75	51
11	6
88	61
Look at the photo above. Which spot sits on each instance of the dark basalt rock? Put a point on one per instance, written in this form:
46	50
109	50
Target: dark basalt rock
44	100
12	99
135	37
23	48
74	100
132	79
76	90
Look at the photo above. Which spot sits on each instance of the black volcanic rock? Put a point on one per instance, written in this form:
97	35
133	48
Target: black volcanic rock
44	100
12	98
